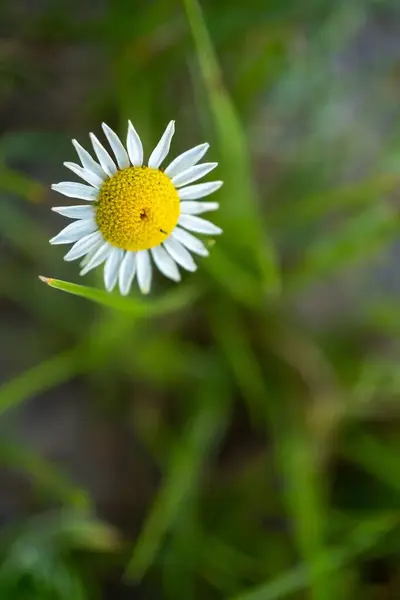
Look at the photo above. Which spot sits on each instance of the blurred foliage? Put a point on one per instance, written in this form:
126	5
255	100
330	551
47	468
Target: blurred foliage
38	560
256	406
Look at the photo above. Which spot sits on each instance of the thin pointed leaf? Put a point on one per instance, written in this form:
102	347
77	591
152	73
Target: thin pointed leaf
241	223
174	301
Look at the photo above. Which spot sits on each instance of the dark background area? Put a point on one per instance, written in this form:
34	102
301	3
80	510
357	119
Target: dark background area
236	436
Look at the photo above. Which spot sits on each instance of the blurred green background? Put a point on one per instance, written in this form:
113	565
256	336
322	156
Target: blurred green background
236	436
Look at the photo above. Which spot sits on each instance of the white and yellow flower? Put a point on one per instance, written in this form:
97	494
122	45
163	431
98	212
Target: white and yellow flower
136	214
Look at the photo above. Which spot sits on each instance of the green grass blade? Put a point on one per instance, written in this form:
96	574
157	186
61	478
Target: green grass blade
81	530
13	182
64	366
138	307
306	505
46	478
181	481
377	457
242	286
359	237
364	537
241	221
310	207
33	243
49	373
235	345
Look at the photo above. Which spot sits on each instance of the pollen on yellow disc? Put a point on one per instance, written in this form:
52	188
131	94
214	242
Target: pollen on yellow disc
137	208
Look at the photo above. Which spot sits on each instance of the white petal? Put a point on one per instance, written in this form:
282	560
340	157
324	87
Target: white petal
165	263
76	190
191	242
144	271
127	272
83	246
198	225
193	174
134	146
111	268
186	160
87	161
97	258
85	174
105	159
75	231
199	190
193	207
88	257
75	212
180	254
118	148
161	150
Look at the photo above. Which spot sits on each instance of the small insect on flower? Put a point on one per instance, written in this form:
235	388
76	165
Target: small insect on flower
136	214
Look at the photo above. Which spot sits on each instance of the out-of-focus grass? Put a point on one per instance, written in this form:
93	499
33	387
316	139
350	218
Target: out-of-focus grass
53	371
17	183
38	556
47	478
237	216
252	412
368	533
182	480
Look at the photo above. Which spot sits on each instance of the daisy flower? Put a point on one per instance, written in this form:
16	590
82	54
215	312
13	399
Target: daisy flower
136	215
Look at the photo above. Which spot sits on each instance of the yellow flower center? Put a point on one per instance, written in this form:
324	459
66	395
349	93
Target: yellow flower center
137	208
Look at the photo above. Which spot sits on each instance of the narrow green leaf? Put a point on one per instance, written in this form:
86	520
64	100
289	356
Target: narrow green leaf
138	307
23	232
182	479
241	285
378	378
45	476
361	194
242	224
235	344
38	379
359	237
79	529
64	366
364	536
380	459
306	504
20	184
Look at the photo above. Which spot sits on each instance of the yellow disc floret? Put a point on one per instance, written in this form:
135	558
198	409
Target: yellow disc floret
137	208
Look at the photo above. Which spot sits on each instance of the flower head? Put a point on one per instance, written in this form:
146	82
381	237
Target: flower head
136	214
